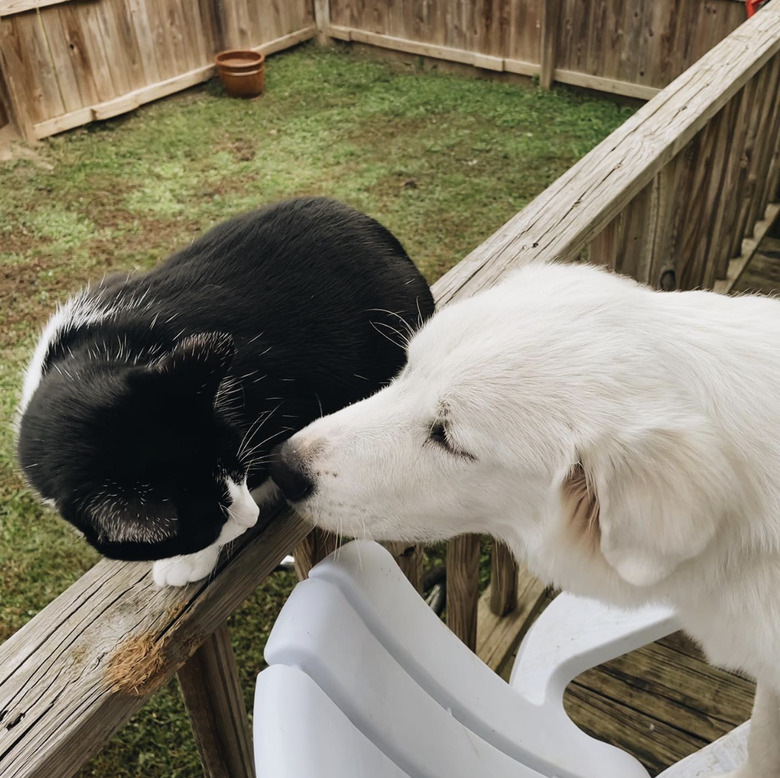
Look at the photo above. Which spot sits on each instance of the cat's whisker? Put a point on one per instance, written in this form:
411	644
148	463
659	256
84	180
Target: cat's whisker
253	429
404	340
401	319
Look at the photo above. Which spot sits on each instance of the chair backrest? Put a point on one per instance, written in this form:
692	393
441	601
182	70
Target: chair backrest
319	632
377	601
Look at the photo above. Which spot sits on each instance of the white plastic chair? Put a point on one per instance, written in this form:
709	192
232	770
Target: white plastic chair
366	682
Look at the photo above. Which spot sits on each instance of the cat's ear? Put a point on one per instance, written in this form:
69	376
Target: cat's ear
197	364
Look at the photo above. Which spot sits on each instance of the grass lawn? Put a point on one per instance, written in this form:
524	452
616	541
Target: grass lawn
442	160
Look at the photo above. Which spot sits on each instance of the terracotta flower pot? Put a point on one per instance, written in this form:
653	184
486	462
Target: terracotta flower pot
242	71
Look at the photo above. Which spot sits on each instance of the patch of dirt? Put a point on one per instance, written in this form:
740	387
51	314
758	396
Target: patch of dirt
12	147
241	149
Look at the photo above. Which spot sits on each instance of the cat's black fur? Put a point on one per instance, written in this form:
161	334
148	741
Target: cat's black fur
156	387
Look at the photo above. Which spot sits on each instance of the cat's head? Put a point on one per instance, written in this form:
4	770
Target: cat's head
138	458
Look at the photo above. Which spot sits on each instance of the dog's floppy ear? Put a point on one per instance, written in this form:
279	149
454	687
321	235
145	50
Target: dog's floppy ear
196	365
657	496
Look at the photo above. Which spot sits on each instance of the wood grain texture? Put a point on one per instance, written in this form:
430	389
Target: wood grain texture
312	549
550	27
215	704
499	636
16	78
503	580
410	559
132	100
463	587
660	703
10	7
81	667
71	63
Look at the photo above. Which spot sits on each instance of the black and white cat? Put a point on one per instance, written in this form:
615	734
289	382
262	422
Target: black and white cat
153	400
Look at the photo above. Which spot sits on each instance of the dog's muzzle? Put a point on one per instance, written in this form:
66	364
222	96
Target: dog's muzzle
290	473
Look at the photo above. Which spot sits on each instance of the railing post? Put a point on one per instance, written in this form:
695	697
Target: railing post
212	694
312	549
503	580
551	11
410	560
463	587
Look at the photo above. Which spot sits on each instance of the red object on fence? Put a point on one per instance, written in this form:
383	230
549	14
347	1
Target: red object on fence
754	5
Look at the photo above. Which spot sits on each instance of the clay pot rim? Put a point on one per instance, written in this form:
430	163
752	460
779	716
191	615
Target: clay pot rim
223	59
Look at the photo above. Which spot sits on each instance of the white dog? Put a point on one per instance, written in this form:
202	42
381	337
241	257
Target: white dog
624	443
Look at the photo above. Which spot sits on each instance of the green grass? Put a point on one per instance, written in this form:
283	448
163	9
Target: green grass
442	160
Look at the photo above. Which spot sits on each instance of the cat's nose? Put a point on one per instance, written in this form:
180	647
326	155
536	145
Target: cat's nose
290	473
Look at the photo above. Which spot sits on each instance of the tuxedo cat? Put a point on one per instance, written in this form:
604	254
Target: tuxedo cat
153	400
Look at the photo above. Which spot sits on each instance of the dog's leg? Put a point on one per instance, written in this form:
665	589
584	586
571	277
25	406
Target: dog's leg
764	739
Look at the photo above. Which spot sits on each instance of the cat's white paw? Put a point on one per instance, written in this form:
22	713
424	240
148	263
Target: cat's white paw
181	570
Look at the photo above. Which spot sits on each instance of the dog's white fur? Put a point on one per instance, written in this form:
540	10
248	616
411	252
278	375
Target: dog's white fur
624	443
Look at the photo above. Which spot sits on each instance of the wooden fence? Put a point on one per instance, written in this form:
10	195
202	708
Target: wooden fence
65	63
673	197
69	63
629	47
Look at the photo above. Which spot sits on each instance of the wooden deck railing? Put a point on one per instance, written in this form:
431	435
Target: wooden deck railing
673	197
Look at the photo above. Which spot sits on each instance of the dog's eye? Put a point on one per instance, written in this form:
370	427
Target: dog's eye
437	433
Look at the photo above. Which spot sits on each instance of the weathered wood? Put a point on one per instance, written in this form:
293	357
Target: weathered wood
72	63
758	269
322	21
215	704
463	587
612	86
112	53
550	23
435	51
659	703
133	100
80	668
17	77
499	636
312	549
503	580
410	559
10	7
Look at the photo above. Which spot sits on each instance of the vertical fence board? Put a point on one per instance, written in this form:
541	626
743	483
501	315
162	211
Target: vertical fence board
17	76
44	96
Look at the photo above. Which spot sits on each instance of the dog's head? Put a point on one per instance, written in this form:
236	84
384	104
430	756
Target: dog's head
533	412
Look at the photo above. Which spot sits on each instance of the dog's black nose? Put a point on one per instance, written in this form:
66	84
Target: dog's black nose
290	474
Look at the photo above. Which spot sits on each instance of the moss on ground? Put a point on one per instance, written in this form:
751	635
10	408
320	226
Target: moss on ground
443	160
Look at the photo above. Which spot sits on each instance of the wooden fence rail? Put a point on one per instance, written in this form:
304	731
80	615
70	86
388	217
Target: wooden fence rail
673	197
